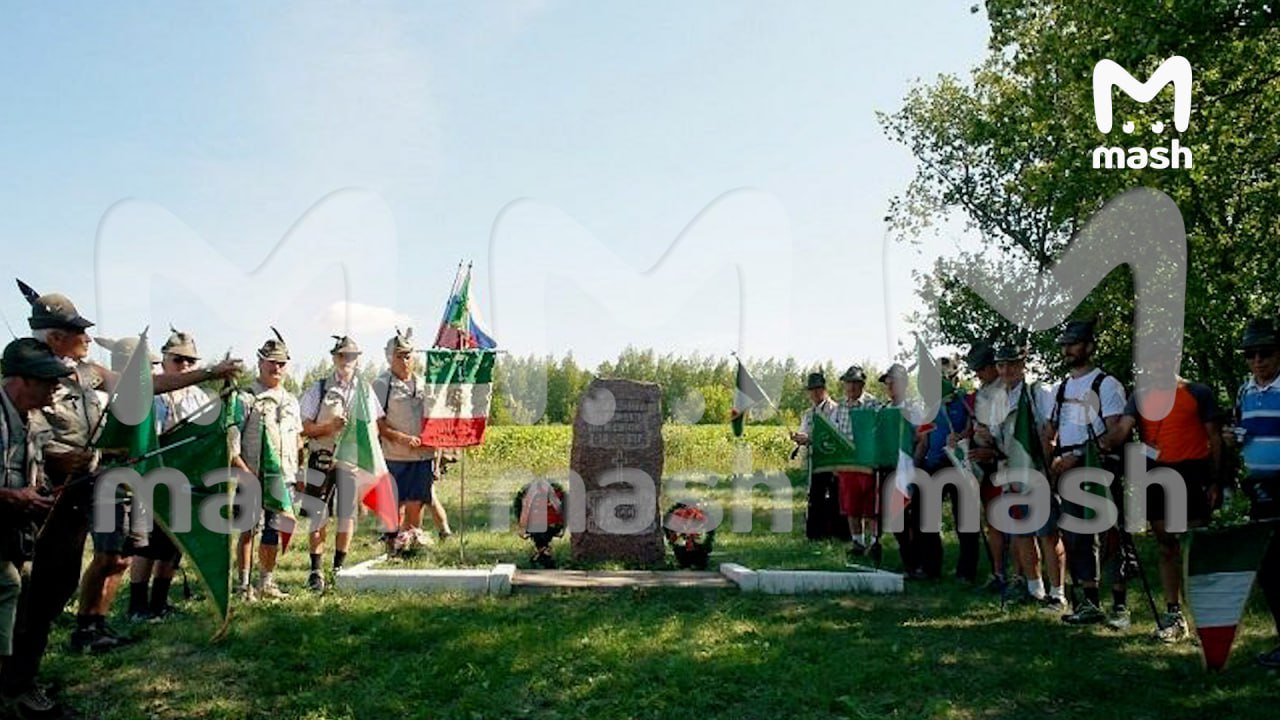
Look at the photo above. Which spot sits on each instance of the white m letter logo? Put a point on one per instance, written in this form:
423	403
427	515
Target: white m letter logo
1107	74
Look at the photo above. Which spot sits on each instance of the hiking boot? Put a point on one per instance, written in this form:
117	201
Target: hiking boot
95	640
1118	618
1172	629
995	585
876	552
445	534
1086	614
30	704
315	581
271	591
858	549
1270	659
246	593
139	616
164	613
1053	604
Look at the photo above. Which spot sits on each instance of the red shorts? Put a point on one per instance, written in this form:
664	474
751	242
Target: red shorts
857	494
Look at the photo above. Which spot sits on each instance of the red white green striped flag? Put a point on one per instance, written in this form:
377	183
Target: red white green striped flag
358	445
461	384
1220	567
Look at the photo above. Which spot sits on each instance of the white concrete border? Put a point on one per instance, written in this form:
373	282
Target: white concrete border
795	582
366	576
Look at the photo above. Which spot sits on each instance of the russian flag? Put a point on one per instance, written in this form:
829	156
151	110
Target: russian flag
462	327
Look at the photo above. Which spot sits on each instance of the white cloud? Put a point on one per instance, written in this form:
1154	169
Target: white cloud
360	319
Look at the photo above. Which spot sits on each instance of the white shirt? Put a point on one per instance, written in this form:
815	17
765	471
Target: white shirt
1081	408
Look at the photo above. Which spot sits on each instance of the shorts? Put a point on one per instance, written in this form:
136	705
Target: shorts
10	591
1198	476
1050	525
857	494
414	479
337	495
119	540
160	547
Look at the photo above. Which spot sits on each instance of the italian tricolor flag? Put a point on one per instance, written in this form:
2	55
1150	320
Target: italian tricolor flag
1220	567
458	400
358	445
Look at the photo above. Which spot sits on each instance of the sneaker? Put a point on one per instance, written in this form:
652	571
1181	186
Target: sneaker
246	593
271	591
140	616
315	581
445	534
1172	629
858	549
876	552
1118	618
95	640
33	703
995	585
1270	659
1053	604
1086	614
1015	589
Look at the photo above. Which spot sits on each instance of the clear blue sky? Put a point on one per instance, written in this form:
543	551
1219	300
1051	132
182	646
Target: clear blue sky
155	152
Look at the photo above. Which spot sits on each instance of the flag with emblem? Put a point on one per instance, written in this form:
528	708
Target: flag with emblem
460	385
358	446
830	450
1219	568
462	327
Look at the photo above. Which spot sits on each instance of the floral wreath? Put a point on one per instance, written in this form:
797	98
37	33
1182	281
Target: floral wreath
689	533
553	498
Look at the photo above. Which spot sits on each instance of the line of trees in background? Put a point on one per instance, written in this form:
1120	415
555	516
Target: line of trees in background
696	389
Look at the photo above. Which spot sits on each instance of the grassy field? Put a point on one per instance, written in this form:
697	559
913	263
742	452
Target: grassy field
941	650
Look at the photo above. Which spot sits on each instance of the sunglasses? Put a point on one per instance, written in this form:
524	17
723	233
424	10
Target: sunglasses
276	363
183	360
1260	353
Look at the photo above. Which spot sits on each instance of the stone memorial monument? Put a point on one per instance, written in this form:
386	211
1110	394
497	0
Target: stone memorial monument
617	451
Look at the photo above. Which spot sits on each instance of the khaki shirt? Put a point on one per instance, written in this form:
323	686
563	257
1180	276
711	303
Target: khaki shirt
74	413
405	405
275	411
21	449
335	403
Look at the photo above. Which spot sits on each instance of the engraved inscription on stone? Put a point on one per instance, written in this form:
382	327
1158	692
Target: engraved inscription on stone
627	429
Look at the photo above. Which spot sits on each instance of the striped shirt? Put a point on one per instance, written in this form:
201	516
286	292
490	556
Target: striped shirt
844	421
1258	412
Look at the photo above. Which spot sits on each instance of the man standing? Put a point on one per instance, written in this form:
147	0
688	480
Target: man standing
403	397
161	555
915	547
981	361
73	420
1087	406
949	425
1188	440
822	518
1258	420
325	408
271	412
1028	453
31	374
859	499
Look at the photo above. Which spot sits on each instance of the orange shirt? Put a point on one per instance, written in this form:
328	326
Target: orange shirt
1180	435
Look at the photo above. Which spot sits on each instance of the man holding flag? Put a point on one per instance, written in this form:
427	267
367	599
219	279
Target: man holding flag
403	396
327	408
267	448
857	486
822	518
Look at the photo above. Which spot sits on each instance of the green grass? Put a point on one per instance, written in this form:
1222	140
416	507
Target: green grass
940	650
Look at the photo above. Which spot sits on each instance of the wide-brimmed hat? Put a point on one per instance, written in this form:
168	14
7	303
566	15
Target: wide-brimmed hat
344	344
121	350
895	372
180	344
274	349
980	355
1010	353
816	380
1076	331
1258	333
855	373
52	311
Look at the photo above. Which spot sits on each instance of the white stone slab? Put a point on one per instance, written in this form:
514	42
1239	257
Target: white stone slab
367	576
796	582
500	579
744	577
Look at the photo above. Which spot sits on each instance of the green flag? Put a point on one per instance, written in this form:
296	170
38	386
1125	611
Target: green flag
196	449
830	451
275	488
129	433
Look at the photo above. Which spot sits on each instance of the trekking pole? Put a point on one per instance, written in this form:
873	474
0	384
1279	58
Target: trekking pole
1127	545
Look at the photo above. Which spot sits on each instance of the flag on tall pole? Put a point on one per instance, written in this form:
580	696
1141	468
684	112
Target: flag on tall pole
460	389
1219	569
462	326
747	396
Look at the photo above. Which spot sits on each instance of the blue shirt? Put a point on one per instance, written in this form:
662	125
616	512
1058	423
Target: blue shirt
1258	412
